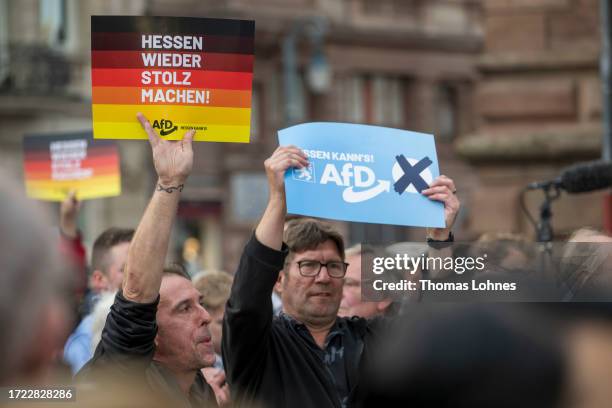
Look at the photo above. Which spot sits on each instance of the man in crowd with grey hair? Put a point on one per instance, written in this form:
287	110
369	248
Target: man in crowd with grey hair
352	303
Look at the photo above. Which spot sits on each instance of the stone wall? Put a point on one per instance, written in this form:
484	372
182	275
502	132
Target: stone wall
538	108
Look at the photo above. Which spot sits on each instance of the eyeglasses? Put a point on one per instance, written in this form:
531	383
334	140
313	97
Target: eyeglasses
335	269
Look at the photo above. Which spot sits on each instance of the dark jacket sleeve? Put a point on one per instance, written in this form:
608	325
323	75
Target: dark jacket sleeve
248	314
128	337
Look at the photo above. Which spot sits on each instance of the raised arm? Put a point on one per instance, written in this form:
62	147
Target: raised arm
69	214
248	313
173	162
443	189
71	243
270	229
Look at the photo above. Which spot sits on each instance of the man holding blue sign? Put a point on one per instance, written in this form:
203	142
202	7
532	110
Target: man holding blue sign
307	356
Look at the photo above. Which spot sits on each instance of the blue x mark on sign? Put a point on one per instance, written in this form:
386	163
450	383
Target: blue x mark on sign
411	174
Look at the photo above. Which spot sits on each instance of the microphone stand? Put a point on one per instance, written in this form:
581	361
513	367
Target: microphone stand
544	231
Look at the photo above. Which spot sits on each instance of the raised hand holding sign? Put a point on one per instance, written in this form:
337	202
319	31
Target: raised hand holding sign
352	168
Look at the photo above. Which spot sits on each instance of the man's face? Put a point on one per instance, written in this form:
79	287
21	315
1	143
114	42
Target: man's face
351	304
312	300
183	340
117	258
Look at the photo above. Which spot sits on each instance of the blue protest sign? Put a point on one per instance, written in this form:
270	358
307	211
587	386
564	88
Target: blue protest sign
363	173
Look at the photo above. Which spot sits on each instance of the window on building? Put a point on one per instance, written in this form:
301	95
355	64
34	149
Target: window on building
273	107
295	109
53	22
374	99
352	100
446	112
388	101
249	195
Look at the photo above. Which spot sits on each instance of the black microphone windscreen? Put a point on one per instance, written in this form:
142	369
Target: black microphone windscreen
584	177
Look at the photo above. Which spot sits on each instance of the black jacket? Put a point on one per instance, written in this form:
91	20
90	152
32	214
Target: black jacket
125	354
266	360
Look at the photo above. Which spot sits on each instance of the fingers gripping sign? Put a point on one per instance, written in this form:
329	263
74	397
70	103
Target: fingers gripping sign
443	189
283	158
173	159
269	231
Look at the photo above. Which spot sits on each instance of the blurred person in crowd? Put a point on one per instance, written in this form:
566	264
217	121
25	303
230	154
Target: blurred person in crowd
586	266
506	251
468	356
307	356
352	303
215	288
412	250
108	260
71	242
588	340
587	234
34	286
157	327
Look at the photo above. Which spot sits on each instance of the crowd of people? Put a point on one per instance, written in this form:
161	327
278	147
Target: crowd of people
289	328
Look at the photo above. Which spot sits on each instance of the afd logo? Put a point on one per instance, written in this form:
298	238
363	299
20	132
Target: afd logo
361	183
165	126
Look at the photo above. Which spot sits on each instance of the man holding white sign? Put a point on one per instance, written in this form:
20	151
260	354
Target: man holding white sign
307	356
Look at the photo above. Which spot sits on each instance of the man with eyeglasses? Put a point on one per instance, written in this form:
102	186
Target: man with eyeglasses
307	356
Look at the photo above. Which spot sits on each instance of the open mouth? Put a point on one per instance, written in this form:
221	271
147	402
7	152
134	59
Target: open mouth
204	339
321	294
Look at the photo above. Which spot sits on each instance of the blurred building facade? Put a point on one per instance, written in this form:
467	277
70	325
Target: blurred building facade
405	64
45	87
538	109
411	64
